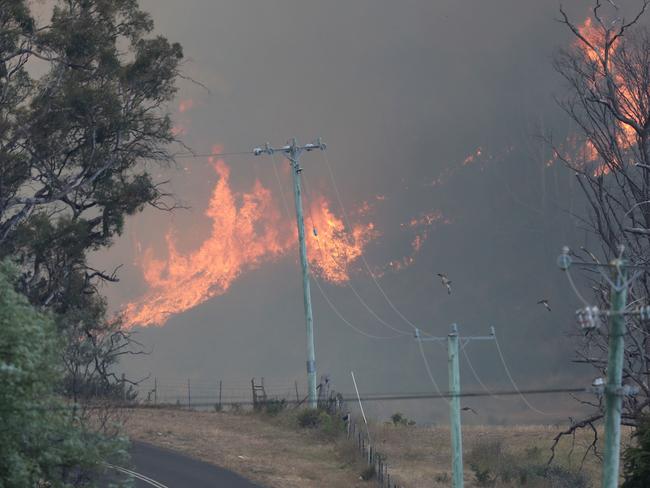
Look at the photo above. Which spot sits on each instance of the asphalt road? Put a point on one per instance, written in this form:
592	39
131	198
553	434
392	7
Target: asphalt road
163	468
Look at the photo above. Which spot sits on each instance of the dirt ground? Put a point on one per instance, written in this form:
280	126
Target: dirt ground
276	453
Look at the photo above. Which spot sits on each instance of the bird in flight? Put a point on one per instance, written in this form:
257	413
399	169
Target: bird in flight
545	303
446	282
469	409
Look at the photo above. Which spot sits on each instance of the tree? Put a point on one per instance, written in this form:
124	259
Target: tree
41	438
82	120
75	146
608	75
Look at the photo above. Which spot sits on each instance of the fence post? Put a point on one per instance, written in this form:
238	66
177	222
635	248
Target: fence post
297	395
189	394
220	405
155	391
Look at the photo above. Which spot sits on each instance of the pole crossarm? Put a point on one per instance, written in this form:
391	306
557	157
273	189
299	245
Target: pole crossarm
464	339
291	149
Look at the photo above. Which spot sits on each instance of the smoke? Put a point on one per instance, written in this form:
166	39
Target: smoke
429	109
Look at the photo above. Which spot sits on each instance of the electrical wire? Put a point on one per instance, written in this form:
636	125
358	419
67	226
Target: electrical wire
363	259
348	283
476	376
345	398
318	285
428	368
512	381
575	289
210	155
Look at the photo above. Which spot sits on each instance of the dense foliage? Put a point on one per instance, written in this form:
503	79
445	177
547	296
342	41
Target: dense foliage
82	118
636	459
41	439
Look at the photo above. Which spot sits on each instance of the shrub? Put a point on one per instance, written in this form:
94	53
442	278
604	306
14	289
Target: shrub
369	473
327	424
274	406
399	418
492	465
309	418
636	459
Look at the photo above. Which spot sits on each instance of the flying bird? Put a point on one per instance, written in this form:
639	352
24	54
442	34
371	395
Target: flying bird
469	409
446	282
545	303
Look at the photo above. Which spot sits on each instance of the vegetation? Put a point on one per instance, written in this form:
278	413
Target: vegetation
608	100
399	419
636	459
42	439
77	136
493	465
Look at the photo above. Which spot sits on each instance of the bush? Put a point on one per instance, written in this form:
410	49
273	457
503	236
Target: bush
636	459
41	440
399	418
329	425
309	418
492	465
274	406
369	473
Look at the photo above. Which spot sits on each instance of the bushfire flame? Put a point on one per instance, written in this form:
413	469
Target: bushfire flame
594	51
247	231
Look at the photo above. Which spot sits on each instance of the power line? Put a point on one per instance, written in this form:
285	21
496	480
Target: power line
476	376
512	381
348	283
346	398
363	259
210	155
320	288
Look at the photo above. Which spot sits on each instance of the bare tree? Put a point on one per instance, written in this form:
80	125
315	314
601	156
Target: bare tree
608	72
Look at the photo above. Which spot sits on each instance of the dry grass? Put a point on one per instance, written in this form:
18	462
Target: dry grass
276	453
418	456
267	450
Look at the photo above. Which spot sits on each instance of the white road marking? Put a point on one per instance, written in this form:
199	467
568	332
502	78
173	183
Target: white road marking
142	477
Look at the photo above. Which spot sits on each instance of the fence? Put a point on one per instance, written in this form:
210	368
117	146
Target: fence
256	394
374	459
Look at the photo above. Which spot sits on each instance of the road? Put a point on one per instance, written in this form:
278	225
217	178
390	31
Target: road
162	468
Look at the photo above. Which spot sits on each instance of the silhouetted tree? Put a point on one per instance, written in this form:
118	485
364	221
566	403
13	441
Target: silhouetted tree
608	73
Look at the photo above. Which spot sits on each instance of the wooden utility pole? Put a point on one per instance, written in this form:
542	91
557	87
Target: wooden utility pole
292	151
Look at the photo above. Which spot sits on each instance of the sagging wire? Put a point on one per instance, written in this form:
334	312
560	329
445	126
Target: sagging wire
348	283
512	381
320	288
427	367
363	259
475	374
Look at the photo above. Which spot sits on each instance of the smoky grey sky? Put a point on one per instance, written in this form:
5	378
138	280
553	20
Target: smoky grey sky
402	92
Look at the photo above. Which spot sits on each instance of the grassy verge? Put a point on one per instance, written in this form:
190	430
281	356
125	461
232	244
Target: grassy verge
273	450
303	448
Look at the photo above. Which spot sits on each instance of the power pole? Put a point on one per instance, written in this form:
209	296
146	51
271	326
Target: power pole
292	151
454	408
589	318
613	388
453	350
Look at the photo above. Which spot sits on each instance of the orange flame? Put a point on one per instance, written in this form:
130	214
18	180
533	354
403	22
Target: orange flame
244	235
595	35
331	248
185	105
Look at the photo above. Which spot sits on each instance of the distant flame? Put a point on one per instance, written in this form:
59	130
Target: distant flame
247	231
626	135
331	248
185	105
